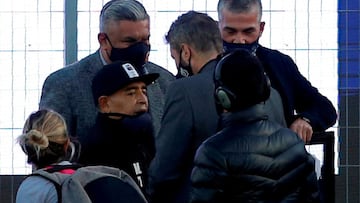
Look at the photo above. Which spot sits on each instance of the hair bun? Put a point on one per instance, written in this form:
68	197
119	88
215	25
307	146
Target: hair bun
38	138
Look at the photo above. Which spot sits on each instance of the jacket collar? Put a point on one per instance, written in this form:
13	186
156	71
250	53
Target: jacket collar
248	115
208	65
93	62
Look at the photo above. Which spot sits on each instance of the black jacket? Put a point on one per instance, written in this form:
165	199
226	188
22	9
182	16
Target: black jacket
190	117
253	160
296	91
120	144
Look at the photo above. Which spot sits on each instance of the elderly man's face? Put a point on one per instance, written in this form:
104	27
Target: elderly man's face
130	100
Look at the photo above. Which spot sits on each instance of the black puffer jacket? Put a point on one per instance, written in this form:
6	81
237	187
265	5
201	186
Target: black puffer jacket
253	160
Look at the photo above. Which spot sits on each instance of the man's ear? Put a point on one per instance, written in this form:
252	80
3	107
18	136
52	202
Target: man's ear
105	47
262	27
103	104
102	38
186	52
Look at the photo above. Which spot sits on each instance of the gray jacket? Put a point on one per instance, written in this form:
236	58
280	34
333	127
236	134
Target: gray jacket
68	91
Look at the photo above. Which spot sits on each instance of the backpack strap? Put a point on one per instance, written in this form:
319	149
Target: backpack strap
46	173
55	183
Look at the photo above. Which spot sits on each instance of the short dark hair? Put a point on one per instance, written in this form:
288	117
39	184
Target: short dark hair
196	29
239	6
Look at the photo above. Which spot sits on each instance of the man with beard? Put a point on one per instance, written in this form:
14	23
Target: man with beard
124	35
241	27
122	136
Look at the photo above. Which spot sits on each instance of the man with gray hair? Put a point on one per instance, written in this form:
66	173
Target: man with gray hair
305	109
124	35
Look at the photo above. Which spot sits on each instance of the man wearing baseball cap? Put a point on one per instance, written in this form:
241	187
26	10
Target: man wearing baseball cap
122	136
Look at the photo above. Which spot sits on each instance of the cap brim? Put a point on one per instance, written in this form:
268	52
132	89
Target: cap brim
147	79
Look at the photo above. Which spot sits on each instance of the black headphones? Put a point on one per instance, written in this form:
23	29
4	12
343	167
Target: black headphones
223	95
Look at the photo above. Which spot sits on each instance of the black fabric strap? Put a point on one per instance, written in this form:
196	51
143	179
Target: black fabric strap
57	168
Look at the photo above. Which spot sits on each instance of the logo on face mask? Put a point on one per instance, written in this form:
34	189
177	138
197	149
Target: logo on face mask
135	54
184	70
252	47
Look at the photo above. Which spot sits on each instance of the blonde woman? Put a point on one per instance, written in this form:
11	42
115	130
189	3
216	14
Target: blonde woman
45	141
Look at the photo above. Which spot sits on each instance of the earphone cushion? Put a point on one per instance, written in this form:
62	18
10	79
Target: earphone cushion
224	97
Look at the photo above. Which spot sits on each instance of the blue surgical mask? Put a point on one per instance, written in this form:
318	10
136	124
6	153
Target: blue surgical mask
252	47
135	54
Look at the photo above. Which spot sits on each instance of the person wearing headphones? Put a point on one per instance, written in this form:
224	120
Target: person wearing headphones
190	114
306	110
252	159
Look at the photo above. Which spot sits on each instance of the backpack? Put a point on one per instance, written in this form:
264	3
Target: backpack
76	184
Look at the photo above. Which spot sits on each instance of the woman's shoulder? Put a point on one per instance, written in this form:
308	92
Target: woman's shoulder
36	189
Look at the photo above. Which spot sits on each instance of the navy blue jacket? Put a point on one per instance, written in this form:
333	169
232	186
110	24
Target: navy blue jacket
296	91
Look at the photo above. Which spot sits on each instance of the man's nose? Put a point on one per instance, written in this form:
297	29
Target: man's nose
142	98
239	39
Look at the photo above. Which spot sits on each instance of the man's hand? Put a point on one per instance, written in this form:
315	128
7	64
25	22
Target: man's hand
303	129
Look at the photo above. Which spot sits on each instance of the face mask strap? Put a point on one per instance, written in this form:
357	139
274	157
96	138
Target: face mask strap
108	39
185	70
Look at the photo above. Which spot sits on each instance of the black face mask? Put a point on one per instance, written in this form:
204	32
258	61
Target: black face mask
135	54
136	123
229	47
184	70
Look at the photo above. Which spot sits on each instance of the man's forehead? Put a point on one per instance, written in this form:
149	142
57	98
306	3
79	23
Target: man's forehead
244	20
252	11
128	26
135	85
